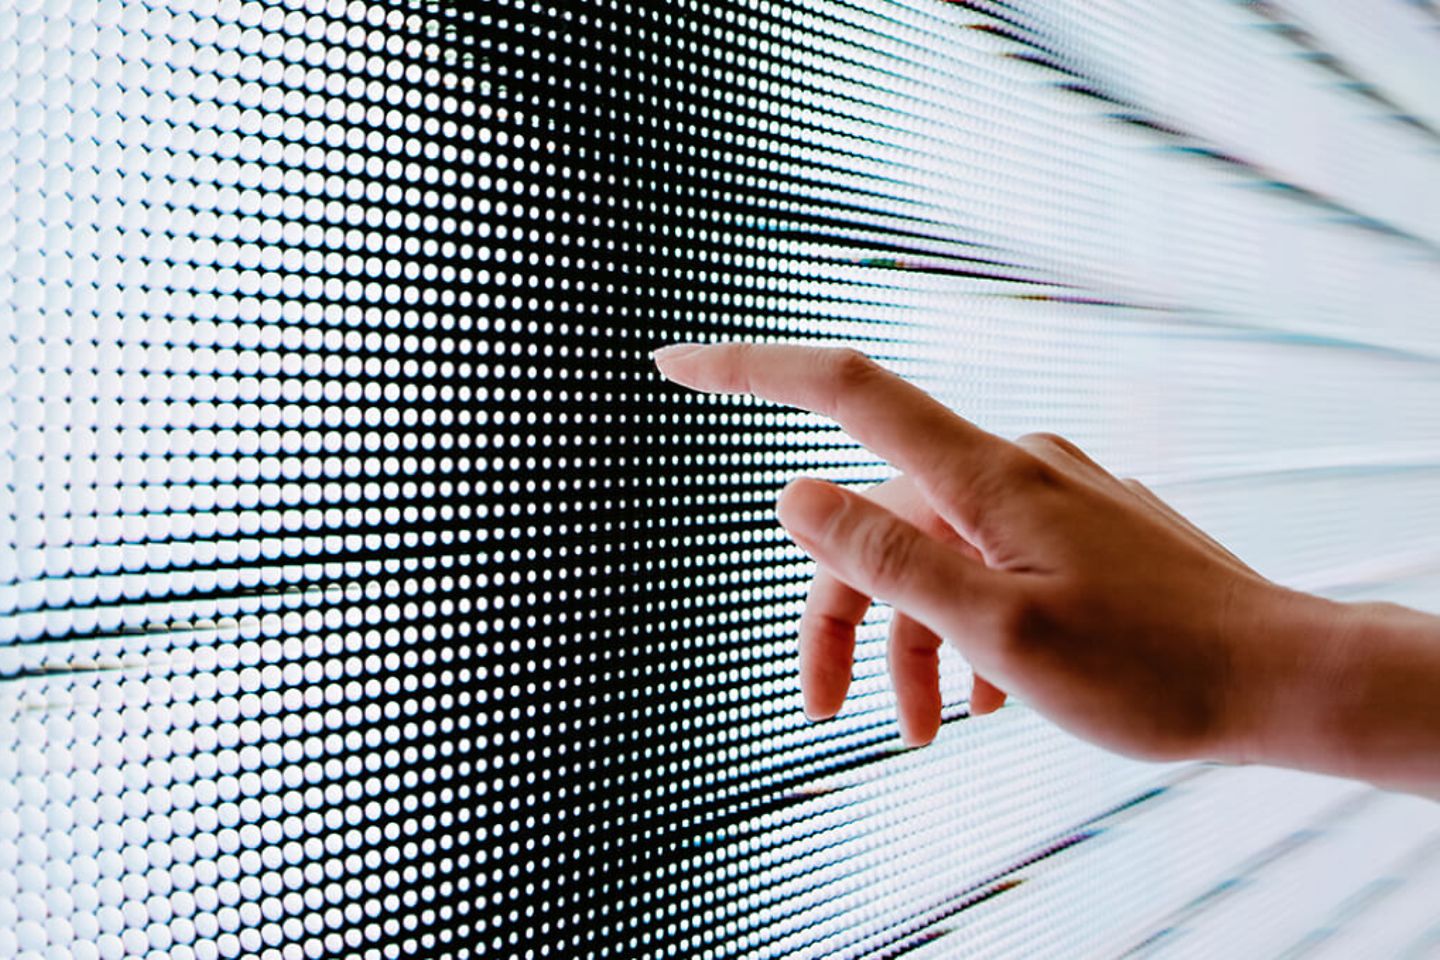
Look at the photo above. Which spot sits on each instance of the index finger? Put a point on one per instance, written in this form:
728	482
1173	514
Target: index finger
889	416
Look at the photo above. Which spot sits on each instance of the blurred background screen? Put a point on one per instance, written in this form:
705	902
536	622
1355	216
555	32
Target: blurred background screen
365	593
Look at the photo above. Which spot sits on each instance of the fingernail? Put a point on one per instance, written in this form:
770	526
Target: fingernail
807	506
675	351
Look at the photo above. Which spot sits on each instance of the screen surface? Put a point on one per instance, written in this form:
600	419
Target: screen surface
365	593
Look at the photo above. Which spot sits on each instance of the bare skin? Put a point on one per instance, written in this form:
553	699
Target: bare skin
1085	594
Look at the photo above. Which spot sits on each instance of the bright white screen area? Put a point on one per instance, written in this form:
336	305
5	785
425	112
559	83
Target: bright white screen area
364	592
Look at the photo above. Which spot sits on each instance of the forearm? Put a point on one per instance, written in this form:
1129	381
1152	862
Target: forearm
1355	691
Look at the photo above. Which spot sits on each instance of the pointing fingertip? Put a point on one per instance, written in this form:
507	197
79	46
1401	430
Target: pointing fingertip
674	351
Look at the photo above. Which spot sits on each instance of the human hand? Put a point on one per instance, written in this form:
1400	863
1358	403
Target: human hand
1084	594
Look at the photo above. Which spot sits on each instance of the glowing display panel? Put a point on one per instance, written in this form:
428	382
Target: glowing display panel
365	593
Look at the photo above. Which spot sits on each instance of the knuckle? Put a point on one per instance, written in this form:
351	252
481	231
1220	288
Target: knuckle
1045	443
739	357
1027	469
821	626
852	366
887	551
850	372
1043	440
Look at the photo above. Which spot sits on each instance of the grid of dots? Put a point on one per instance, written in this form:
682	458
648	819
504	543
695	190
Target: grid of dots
364	593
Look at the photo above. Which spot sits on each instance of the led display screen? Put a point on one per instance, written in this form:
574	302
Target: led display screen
365	593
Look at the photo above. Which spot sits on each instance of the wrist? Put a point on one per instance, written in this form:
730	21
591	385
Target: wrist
1351	689
1293	653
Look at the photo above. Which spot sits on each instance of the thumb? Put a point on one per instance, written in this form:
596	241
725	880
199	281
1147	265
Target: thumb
877	553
